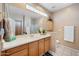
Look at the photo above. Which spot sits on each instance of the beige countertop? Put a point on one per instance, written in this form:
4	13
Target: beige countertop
23	39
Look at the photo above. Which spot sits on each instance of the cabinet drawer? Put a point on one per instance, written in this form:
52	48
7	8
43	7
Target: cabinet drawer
21	53
16	49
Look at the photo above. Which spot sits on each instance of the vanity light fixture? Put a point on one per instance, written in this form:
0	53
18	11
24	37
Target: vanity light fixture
35	10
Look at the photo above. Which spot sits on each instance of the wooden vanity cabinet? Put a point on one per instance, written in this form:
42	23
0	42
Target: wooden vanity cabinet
18	51
41	47
33	48
47	44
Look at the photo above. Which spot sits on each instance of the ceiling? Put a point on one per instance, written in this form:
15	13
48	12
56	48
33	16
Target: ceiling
53	7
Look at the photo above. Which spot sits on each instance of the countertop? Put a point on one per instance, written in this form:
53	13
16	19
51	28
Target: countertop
23	39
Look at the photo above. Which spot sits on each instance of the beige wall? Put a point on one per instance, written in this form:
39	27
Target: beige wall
66	17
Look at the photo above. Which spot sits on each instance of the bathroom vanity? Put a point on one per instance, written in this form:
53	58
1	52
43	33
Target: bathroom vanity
20	23
27	46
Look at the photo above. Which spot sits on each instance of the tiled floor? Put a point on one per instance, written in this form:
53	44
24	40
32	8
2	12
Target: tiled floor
66	51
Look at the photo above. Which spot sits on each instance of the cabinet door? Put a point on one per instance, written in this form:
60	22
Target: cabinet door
33	49
41	47
47	44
